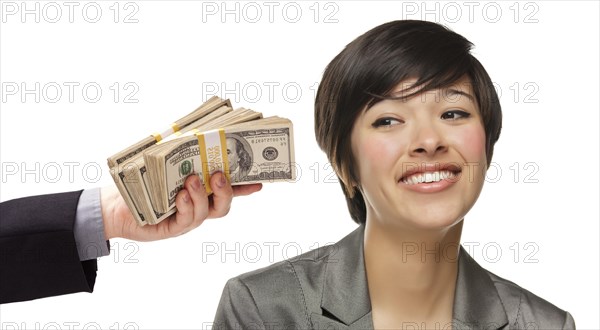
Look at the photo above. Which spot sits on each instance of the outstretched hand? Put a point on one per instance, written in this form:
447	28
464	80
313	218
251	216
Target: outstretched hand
193	207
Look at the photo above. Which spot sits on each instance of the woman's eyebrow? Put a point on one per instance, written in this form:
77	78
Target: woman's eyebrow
450	92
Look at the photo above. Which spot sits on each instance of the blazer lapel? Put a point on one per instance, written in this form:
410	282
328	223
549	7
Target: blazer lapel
345	293
477	304
346	304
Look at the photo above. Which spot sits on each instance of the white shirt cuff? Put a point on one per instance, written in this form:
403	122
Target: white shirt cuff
89	227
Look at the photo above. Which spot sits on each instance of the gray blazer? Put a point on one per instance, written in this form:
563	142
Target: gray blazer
327	289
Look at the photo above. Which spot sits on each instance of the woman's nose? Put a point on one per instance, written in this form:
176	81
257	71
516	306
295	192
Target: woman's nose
428	141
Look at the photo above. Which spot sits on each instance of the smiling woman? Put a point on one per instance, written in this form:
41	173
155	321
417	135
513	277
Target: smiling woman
403	148
409	118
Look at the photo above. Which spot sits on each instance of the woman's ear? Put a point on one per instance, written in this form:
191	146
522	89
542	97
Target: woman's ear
352	186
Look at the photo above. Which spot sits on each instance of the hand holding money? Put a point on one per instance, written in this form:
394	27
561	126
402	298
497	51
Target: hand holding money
193	207
240	144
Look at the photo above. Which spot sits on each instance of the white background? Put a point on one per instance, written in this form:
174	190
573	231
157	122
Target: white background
542	56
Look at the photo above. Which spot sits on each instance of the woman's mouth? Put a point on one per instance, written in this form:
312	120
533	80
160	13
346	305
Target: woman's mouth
429	177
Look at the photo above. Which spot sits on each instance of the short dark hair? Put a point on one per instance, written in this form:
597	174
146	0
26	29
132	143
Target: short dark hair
369	68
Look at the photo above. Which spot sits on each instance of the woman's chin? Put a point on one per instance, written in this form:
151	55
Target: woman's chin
436	224
439	216
430	222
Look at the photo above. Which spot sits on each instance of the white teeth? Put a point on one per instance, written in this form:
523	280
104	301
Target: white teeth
428	177
413	180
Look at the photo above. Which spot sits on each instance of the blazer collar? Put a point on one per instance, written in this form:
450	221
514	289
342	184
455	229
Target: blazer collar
345	296
345	290
477	304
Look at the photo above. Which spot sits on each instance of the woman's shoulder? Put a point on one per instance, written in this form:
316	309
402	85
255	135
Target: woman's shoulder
282	295
309	266
286	272
527	309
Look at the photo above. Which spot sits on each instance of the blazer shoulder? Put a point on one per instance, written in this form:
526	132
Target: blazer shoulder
527	310
285	292
289	270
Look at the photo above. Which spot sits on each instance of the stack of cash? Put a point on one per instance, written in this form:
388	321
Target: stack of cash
242	144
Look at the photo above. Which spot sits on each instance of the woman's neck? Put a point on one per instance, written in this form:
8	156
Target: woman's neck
411	274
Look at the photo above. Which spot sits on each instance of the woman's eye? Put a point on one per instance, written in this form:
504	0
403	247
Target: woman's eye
386	122
455	114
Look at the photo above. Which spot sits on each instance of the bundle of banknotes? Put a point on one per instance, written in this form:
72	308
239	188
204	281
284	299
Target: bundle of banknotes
242	144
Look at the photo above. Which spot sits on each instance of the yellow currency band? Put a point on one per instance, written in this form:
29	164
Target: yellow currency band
224	153
173	129
204	162
212	162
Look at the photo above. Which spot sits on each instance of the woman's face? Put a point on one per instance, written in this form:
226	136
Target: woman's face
440	135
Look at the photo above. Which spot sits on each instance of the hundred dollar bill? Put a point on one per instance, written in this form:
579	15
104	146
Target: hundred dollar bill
256	151
126	158
136	181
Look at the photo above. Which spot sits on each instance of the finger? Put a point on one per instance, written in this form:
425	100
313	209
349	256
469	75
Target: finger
246	189
178	224
222	195
199	200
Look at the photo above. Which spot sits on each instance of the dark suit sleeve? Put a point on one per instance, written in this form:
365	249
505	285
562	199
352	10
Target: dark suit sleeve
38	253
237	308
